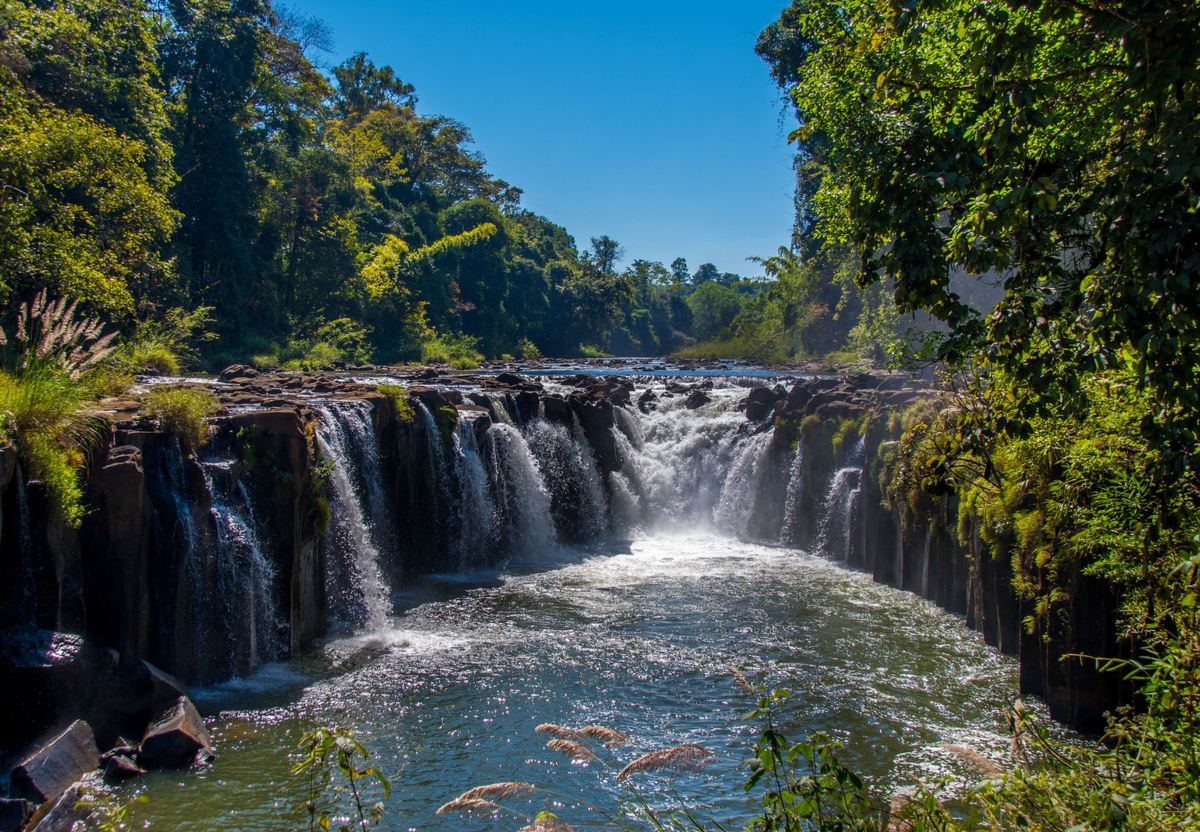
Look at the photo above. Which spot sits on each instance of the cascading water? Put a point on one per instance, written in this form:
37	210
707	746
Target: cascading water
358	591
678	471
740	491
838	512
245	574
477	514
522	501
569	471
790	534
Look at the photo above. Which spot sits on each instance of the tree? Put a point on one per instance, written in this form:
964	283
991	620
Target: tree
606	253
704	273
679	271
1051	142
713	308
84	165
364	88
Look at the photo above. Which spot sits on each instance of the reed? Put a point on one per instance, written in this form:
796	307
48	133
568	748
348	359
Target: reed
499	791
609	736
686	757
473	804
572	749
562	732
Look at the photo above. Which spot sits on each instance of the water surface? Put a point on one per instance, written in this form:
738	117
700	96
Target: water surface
636	636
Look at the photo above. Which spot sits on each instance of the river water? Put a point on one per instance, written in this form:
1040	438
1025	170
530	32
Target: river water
635	634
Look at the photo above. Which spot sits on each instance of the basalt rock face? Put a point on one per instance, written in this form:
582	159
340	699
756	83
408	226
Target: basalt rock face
841	428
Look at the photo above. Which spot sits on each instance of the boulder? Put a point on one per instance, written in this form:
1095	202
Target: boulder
760	403
14	813
557	409
510	379
237	372
175	738
696	399
119	768
48	772
647	401
72	811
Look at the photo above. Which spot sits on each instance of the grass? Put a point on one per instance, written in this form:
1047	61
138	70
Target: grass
459	351
183	412
42	413
401	406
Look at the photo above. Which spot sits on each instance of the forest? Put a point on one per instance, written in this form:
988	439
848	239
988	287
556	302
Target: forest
193	174
1002	195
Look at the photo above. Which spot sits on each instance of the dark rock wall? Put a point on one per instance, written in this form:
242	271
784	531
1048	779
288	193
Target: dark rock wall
926	552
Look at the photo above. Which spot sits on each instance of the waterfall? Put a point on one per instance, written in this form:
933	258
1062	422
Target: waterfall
790	533
740	492
245	575
522	501
838	512
477	514
572	478
675	465
346	435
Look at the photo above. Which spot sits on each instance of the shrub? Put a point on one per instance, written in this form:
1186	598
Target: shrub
401	406
151	358
42	414
459	351
588	351
528	350
183	412
166	345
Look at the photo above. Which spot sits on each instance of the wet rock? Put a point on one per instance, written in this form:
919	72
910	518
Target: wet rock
510	379
72	811
237	373
760	403
119	767
557	409
14	813
647	401
597	420
49	771
175	738
696	399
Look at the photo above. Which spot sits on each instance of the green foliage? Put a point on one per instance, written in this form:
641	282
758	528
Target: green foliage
713	308
183	412
165	345
804	784
86	167
527	350
459	351
337	782
589	351
42	412
401	406
1049	143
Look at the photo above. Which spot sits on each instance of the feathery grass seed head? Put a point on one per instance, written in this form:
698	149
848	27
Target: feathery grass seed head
686	757
574	750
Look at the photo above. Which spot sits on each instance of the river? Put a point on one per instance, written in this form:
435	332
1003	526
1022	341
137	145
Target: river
636	633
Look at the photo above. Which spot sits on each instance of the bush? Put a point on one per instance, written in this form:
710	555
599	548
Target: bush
459	351
401	406
183	412
151	358
165	346
528	350
42	414
588	351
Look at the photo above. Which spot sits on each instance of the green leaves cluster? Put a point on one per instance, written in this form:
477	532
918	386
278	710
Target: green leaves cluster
1049	145
337	781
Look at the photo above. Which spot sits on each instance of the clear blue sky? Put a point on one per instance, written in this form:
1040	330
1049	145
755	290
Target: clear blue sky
653	122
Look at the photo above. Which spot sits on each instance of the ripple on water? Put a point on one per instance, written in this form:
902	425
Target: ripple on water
635	638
